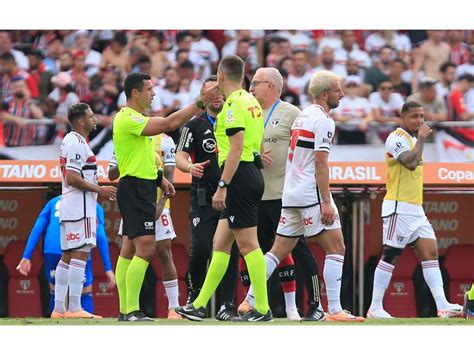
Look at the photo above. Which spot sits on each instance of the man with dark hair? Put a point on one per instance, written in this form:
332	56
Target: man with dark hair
136	196
447	75
404	220
77	212
239	134
9	70
197	155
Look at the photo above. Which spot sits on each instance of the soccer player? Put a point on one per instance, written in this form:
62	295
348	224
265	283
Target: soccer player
279	116
47	224
77	212
239	134
307	205
136	196
198	143
404	220
468	308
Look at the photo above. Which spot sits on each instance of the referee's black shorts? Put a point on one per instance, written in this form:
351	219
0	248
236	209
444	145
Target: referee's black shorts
243	196
136	199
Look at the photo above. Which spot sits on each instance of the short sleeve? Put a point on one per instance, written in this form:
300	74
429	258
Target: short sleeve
186	139
235	117
395	145
324	134
76	157
168	150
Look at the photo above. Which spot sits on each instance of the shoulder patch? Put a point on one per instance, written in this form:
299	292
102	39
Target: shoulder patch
138	119
230	116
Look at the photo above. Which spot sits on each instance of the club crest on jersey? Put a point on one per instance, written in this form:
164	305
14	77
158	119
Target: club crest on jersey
275	121
25	284
196	221
230	116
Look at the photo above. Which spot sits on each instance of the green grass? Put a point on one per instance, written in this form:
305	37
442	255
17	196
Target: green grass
276	322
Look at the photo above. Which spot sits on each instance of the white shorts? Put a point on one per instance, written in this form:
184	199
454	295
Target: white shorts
295	222
401	229
163	226
76	235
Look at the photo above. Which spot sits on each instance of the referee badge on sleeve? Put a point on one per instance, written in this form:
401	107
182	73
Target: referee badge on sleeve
230	116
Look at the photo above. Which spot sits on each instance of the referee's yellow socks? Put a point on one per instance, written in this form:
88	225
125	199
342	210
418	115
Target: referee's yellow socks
217	269
257	271
120	276
470	293
134	280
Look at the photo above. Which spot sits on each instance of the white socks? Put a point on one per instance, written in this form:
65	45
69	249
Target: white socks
332	274
172	293
382	277
433	278
77	269
60	286
271	262
290	299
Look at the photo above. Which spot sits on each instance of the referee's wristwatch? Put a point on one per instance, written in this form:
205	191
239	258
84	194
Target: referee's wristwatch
222	184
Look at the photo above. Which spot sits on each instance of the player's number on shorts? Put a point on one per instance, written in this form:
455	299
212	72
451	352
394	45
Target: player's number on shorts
164	220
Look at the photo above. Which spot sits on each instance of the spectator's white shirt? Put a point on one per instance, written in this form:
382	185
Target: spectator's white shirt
21	59
298	83
469	98
355	108
298	40
341	56
71	99
77	156
332	42
375	41
441	90
389	109
312	131
336	68
465	68
93	62
208	51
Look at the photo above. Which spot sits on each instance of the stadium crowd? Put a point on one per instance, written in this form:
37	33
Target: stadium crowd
43	72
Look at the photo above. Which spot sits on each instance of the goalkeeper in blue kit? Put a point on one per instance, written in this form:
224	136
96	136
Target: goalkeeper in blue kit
47	224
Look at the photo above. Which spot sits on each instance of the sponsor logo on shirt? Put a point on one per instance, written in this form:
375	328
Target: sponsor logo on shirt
270	140
209	145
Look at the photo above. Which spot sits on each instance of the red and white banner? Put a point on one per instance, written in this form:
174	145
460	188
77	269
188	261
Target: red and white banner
451	149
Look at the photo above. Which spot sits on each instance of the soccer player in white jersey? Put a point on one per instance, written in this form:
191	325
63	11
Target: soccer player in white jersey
77	211
404	220
307	205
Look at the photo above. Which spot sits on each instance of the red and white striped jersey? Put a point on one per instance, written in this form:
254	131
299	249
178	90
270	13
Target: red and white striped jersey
77	156
312	131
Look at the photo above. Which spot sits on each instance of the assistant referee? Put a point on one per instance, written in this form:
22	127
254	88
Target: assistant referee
136	196
239	134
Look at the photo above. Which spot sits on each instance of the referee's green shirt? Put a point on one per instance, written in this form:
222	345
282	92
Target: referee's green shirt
135	153
240	111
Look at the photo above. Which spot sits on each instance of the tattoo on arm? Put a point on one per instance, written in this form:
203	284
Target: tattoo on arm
410	159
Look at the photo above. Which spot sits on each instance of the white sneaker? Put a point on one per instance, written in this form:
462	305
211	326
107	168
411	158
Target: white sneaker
452	311
378	314
292	315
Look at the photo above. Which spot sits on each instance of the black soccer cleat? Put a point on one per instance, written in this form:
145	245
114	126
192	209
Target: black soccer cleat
121	317
468	308
227	313
192	313
315	314
255	316
137	316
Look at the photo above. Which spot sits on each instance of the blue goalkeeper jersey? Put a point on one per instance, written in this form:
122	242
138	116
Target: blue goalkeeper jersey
47	224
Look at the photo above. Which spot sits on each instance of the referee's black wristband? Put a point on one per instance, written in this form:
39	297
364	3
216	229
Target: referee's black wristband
159	178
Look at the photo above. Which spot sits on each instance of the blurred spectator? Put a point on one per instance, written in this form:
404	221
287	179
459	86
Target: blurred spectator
380	71
327	38
16	111
101	39
184	41
287	94
353	113
144	65
468	67
396	68
111	82
7	47
434	106
40	74
159	59
59	100
458	49
53	52
207	50
447	74
328	63
243	52
399	42
298	39
104	108
300	72
433	52
278	48
349	50
186	72
168	95
387	105
82	42
116	54
285	63
9	70
257	43
80	80
457	108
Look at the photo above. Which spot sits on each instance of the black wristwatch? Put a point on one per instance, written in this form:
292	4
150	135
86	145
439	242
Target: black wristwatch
200	103
222	184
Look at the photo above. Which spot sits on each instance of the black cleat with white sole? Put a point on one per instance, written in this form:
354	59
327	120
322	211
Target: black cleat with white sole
227	313
137	316
255	316
192	313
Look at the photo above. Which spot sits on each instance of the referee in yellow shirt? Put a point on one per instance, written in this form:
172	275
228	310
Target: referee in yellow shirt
239	135
134	146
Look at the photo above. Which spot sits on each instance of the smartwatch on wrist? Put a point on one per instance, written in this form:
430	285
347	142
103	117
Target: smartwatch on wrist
222	184
200	103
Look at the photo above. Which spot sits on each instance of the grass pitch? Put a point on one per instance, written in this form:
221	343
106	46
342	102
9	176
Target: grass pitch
276	322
